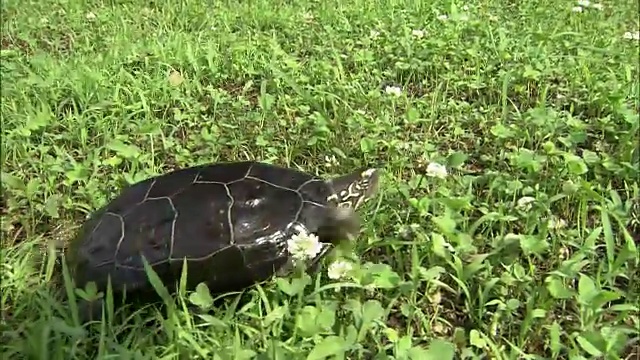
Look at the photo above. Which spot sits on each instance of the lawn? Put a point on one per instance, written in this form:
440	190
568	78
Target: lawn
526	249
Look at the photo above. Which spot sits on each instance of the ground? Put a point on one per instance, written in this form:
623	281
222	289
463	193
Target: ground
525	249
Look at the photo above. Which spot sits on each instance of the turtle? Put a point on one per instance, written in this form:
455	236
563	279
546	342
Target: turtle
228	222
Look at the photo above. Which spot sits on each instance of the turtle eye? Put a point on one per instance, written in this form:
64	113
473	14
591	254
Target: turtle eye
333	199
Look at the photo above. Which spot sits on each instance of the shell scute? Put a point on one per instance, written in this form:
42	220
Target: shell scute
202	227
290	179
99	247
260	209
170	186
223	173
148	230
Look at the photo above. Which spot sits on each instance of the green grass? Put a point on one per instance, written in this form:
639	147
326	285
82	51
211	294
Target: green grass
518	99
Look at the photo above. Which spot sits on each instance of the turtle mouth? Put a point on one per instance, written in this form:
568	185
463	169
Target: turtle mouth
342	224
342	213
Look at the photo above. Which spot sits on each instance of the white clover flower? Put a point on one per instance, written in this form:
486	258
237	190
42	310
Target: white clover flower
525	203
632	35
393	90
339	269
90	16
598	6
436	170
304	246
307	16
465	7
584	3
331	161
374	34
442	17
576	9
418	33
556	223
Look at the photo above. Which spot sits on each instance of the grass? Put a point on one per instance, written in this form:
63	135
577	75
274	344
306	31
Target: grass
517	99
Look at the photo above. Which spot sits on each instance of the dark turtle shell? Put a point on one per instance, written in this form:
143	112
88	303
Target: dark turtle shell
229	222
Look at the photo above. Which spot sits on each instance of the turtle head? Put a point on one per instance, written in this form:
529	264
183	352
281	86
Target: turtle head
341	223
348	193
352	190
